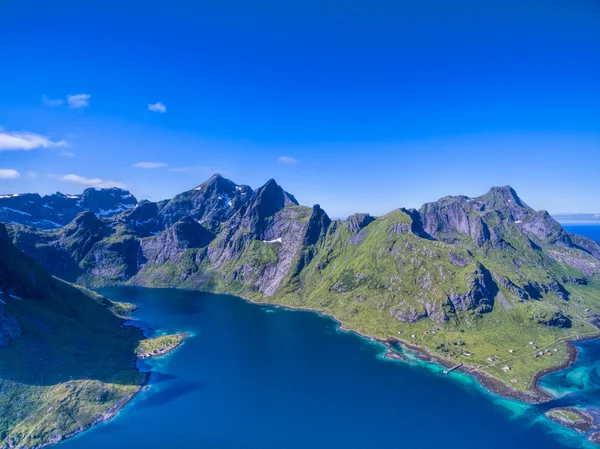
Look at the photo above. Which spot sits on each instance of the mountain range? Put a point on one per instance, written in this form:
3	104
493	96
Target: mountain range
472	280
55	211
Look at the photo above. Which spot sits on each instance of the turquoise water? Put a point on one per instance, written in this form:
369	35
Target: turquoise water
261	377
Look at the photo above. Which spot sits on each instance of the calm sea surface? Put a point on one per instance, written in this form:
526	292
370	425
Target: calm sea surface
261	377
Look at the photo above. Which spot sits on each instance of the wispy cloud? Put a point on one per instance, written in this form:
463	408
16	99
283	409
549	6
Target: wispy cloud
26	141
32	174
150	165
79	100
157	107
287	160
9	173
67	154
89	182
51	102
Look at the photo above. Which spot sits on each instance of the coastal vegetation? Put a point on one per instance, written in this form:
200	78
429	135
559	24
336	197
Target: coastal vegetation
486	283
70	365
157	346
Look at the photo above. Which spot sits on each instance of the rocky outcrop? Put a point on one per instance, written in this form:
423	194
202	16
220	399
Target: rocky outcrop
509	285
355	223
480	294
459	259
536	289
185	234
557	319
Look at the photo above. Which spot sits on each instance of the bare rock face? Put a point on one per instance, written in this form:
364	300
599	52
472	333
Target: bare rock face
511	286
265	237
449	218
425	264
458	259
588	245
355	223
480	293
211	203
409	314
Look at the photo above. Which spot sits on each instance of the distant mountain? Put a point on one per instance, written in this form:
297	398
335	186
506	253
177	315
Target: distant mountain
468	279
56	210
578	218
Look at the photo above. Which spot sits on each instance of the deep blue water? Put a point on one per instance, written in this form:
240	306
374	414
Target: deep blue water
261	377
591	231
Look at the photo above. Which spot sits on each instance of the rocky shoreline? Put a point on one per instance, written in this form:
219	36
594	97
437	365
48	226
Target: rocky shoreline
535	395
584	423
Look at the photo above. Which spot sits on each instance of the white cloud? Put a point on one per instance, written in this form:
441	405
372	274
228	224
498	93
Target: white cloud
150	165
89	182
67	154
26	141
79	100
157	107
287	160
51	102
32	174
9	173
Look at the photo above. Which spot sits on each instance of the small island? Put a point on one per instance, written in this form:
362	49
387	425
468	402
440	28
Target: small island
157	346
571	417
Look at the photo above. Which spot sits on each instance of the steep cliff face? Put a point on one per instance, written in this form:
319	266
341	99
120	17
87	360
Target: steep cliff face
466	278
258	245
211	203
453	258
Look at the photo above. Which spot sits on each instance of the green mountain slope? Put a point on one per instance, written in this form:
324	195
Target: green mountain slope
473	280
67	361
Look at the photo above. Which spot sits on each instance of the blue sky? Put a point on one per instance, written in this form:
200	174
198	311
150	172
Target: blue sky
358	106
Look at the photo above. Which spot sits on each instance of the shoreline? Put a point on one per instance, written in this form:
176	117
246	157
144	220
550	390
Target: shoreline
109	414
165	351
114	410
534	395
584	424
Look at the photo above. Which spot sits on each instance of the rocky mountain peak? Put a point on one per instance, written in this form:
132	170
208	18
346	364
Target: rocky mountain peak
86	220
273	193
217	184
107	201
505	197
354	223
